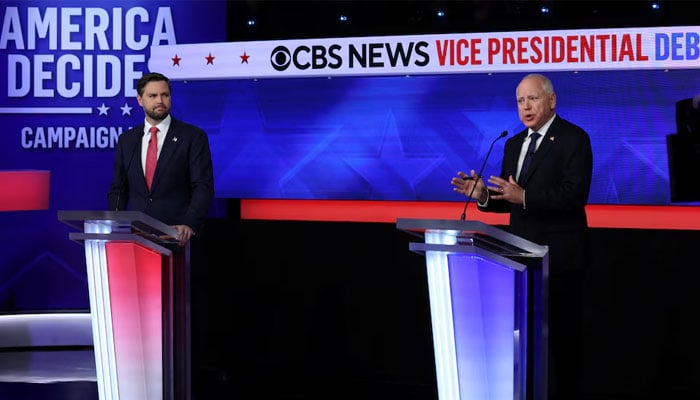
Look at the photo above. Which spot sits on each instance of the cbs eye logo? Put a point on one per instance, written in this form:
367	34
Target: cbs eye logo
316	57
280	58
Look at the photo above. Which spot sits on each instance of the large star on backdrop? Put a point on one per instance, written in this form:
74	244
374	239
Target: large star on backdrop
392	172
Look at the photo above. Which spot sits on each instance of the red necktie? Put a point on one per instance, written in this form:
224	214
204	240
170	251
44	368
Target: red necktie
151	156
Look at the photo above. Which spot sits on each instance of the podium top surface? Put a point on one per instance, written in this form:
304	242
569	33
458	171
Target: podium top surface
121	222
476	233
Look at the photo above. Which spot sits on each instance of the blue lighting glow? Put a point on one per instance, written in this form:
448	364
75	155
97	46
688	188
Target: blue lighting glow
473	302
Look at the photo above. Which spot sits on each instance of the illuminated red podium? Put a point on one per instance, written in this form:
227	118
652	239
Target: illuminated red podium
138	281
488	306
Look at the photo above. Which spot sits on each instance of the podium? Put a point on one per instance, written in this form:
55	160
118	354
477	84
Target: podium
488	305
138	281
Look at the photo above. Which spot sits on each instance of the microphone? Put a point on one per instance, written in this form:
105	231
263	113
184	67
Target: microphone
126	176
464	212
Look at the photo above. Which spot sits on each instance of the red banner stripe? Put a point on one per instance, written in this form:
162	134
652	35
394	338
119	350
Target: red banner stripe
24	190
599	216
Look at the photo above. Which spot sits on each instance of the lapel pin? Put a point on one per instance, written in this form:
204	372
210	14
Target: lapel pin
551	138
174	139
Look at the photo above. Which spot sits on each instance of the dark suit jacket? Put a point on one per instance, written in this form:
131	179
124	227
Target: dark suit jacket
183	185
556	191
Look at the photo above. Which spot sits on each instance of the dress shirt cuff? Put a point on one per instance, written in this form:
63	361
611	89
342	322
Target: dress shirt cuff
485	203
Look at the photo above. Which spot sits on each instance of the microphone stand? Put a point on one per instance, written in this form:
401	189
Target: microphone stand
478	177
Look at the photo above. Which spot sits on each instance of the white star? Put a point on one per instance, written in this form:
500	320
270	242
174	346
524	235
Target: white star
103	109
126	109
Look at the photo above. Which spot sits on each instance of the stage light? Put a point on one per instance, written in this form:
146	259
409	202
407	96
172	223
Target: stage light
251	22
544	10
655	6
440	13
343	18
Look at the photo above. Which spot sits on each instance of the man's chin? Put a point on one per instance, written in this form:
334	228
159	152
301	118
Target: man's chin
158	116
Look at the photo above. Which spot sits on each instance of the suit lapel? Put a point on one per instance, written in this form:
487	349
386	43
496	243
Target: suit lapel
545	146
540	154
512	167
137	160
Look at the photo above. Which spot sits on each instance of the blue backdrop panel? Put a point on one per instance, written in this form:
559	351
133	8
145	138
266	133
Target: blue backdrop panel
70	92
403	138
68	74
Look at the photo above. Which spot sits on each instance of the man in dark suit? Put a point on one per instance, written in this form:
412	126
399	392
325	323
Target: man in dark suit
182	187
179	192
546	203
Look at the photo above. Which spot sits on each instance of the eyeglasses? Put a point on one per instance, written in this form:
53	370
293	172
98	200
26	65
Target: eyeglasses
531	99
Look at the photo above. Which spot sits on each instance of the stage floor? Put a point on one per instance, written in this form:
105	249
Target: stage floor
48	375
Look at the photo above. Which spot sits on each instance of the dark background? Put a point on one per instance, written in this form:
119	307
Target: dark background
317	19
333	310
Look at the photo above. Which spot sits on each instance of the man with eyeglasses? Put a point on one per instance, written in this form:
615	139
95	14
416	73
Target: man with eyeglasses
544	184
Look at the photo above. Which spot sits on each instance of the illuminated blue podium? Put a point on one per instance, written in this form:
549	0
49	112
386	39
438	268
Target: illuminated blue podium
488	304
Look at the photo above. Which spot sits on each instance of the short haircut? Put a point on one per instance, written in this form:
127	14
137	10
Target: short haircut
150	77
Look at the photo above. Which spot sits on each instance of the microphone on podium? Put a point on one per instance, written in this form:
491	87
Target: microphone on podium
464	211
125	177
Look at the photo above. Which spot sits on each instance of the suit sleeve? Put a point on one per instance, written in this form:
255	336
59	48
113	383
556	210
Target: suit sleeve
119	188
201	181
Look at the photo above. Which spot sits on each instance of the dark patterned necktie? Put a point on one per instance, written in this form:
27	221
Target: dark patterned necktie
528	156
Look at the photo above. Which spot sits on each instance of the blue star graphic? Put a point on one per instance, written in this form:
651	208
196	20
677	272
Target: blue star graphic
126	109
102	109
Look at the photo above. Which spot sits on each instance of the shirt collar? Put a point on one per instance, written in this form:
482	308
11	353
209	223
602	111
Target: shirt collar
162	126
543	130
